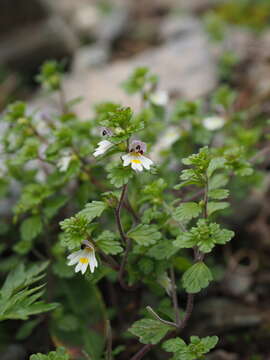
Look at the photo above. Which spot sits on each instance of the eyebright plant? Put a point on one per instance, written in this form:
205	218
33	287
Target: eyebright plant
138	197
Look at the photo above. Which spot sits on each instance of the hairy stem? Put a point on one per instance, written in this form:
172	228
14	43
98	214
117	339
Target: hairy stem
174	298
118	214
152	312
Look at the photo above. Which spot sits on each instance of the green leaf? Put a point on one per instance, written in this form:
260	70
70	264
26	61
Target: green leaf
174	345
120	175
217	181
149	331
93	209
146	266
193	351
59	354
19	298
196	278
26	329
144	235
212	207
215	164
75	230
185	240
218	194
109	243
162	250
209	342
187	211
31	228
53	205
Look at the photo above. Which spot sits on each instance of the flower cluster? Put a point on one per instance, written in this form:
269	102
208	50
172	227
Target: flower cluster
135	156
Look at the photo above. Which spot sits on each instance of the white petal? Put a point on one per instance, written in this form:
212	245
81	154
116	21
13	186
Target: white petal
92	261
84	267
213	123
74	254
136	166
127	159
103	146
146	162
78	267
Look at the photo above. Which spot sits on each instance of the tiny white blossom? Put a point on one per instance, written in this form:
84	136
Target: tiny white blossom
213	123
136	158
160	98
64	162
102	147
84	258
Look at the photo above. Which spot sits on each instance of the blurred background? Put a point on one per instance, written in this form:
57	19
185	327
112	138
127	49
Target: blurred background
194	46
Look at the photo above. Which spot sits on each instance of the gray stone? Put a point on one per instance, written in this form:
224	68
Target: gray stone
185	66
91	56
175	26
225	315
33	43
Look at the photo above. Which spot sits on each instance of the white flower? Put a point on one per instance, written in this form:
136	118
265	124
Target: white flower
83	258
136	158
213	123
160	98
103	146
64	162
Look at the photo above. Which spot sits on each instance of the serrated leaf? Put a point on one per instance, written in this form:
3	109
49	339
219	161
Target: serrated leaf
149	331
187	211
18	300
217	181
174	345
215	164
209	342
120	175
31	228
59	354
93	210
218	194
144	235
196	278
109	243
185	240
162	250
212	207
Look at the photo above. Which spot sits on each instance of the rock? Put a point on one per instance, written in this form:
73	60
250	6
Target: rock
197	5
31	34
27	12
36	42
112	25
223	315
185	66
238	284
90	56
86	19
175	26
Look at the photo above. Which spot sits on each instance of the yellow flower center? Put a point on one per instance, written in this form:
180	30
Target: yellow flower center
84	260
136	161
